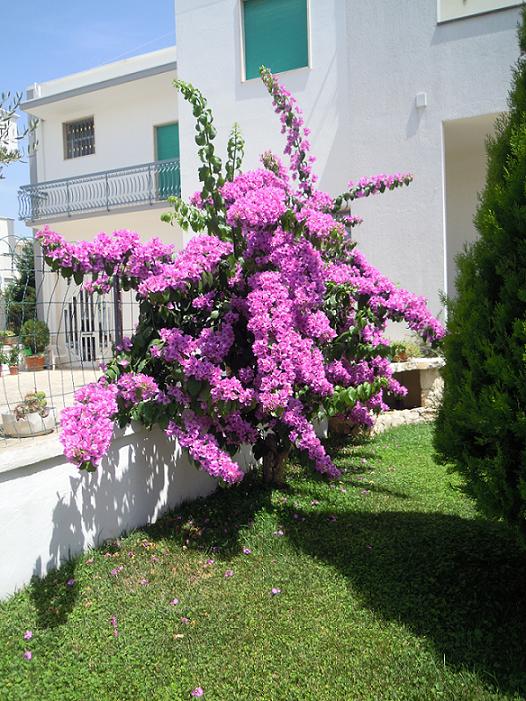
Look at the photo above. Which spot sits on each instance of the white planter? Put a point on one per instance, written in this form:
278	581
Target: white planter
30	425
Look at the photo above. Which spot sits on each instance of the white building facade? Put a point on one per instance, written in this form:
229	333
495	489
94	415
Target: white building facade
385	87
107	159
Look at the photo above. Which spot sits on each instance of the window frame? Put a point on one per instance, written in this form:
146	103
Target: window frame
241	12
65	141
443	16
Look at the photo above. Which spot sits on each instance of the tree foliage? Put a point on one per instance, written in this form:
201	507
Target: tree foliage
20	295
481	427
267	320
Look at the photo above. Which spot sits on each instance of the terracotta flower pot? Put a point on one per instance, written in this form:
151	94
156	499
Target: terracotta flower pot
13	369
35	362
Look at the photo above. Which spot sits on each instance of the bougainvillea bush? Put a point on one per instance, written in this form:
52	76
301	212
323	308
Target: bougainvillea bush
268	318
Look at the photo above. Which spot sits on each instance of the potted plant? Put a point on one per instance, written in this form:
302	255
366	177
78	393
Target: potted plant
13	360
34	334
8	338
31	417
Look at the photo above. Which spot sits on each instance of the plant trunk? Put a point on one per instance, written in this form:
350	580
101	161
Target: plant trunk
274	463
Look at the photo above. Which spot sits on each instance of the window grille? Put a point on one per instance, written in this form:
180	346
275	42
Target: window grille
79	138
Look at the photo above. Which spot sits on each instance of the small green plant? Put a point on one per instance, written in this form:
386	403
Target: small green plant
5	336
34	334
33	403
404	350
13	357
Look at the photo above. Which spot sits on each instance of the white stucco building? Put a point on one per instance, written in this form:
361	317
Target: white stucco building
107	159
385	86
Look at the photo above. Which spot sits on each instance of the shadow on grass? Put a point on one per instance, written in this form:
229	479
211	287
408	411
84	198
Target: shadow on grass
54	596
215	523
460	583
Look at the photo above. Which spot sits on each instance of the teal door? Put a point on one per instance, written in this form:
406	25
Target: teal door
167	149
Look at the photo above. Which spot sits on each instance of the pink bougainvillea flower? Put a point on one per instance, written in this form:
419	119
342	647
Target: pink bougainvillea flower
90	561
275	591
210	561
28	655
28	635
247	551
116	570
71	582
144	582
315	502
279	532
185	620
229	573
198	691
174	602
269	339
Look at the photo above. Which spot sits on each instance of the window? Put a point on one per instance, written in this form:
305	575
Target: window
79	138
275	35
454	9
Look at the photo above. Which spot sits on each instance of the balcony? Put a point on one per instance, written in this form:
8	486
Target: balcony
106	191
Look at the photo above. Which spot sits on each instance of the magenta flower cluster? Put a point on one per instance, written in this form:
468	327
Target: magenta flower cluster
256	328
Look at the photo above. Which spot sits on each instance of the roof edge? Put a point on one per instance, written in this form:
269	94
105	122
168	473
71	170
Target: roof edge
28	105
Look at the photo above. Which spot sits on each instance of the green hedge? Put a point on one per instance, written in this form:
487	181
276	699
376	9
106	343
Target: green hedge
481	427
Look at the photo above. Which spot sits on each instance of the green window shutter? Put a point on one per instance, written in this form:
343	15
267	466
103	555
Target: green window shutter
167	138
276	35
167	149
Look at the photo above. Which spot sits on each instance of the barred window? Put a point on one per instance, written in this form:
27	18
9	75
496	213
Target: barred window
79	138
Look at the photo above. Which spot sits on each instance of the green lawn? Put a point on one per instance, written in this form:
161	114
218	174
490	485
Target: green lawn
391	588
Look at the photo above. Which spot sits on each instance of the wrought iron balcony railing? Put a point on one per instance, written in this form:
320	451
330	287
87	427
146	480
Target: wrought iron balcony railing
107	190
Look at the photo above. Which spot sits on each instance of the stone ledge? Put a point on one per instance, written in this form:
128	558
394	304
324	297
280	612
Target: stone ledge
418	364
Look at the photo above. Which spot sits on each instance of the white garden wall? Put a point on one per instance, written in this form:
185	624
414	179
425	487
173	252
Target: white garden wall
49	511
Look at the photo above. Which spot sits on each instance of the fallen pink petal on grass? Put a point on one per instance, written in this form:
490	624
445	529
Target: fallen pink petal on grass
275	591
247	551
70	582
28	654
28	635
174	602
229	573
198	691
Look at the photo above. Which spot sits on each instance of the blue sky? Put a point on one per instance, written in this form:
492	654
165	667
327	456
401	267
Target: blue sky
45	40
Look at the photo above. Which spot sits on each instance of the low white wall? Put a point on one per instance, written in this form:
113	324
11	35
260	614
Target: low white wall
49	511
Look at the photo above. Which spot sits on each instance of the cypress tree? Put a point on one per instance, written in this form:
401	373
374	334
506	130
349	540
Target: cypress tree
481	426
